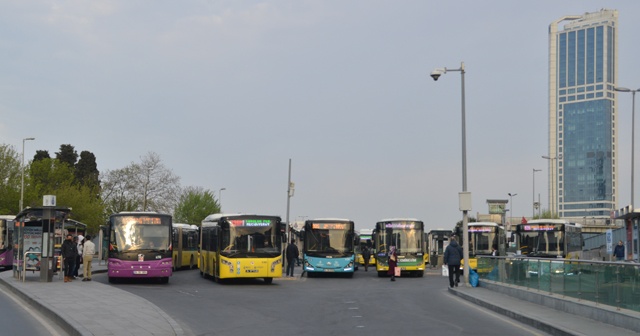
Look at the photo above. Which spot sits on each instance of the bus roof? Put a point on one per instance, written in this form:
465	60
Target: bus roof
8	217
484	224
216	217
330	219
550	221
185	226
399	219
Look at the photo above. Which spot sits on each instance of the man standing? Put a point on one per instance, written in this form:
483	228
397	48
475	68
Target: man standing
453	258
618	251
292	254
87	255
366	255
69	254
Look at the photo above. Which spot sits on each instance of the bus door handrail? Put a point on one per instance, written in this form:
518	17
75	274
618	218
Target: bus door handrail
24	264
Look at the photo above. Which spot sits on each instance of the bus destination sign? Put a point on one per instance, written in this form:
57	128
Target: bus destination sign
138	220
400	225
329	226
250	222
541	227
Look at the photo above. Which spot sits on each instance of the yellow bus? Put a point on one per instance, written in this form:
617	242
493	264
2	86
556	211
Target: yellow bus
365	240
241	246
185	245
407	235
483	236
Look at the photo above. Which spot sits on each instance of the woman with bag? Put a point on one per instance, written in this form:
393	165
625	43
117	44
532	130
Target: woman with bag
393	263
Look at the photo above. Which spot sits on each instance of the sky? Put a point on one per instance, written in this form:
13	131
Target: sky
229	92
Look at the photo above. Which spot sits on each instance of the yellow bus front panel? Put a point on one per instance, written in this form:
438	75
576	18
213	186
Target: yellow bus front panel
250	267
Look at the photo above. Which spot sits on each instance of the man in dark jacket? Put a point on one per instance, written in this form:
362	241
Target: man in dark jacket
292	254
452	259
69	254
618	252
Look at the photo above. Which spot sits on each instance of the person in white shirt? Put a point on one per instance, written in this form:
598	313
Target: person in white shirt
88	251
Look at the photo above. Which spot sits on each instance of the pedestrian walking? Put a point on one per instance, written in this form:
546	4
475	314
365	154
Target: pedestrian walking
618	251
366	254
88	251
69	254
393	262
453	259
292	254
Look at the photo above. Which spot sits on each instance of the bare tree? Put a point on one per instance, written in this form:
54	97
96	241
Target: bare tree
146	186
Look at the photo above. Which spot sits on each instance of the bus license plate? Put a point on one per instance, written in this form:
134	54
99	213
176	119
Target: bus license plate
328	270
139	272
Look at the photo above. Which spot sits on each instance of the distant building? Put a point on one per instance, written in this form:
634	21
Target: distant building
582	157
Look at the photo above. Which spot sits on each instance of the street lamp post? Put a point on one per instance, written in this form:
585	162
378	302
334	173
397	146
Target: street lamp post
464	197
511	196
220	198
22	173
552	182
633	125
533	204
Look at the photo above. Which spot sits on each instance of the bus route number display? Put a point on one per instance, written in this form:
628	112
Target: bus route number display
250	222
549	227
400	225
480	229
139	220
329	226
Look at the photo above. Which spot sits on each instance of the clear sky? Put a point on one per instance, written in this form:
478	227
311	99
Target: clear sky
226	92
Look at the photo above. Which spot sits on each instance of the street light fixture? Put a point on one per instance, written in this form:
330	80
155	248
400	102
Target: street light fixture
533	204
464	196
633	124
552	182
22	173
511	196
220	198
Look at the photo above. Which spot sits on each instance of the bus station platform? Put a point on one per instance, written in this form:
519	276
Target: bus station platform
92	308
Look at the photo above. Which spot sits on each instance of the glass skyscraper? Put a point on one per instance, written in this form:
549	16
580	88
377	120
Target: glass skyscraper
582	115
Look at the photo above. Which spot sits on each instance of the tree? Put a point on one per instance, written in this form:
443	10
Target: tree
145	186
10	180
41	154
46	177
86	171
68	155
194	204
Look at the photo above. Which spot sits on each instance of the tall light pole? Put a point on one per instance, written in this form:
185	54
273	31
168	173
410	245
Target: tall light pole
22	185
511	196
633	125
533	205
220	198
464	197
552	182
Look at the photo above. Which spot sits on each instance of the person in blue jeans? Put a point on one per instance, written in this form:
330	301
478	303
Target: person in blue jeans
292	254
618	252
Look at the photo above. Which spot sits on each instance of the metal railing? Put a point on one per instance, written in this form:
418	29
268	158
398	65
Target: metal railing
615	284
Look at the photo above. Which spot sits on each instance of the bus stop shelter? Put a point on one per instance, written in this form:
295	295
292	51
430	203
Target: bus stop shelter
36	232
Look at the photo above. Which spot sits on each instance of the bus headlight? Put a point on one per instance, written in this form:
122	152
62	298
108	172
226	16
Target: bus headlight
274	264
225	262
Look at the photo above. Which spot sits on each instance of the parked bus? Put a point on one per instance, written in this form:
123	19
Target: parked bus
407	235
241	246
365	239
437	241
483	237
549	238
139	246
185	245
6	241
329	246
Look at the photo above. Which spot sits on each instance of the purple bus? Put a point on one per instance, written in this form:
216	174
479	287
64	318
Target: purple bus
139	246
6	241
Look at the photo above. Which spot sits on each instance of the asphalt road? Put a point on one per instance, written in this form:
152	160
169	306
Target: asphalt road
19	318
362	305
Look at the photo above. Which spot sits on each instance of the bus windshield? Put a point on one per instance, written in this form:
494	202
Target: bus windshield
405	241
541	243
250	237
325	242
134	233
481	242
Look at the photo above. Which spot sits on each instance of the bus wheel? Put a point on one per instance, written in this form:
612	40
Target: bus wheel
112	280
175	263
164	280
268	281
310	274
420	274
381	274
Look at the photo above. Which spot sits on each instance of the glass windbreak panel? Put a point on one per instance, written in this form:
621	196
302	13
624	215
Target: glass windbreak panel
323	239
134	233
250	237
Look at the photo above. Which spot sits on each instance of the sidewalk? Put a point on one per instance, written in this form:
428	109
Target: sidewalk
546	318
109	311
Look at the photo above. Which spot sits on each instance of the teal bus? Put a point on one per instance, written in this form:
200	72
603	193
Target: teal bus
329	246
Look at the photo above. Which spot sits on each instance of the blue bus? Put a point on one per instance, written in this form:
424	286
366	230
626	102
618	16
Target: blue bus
329	246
